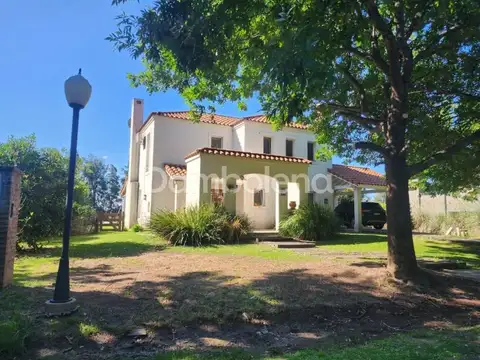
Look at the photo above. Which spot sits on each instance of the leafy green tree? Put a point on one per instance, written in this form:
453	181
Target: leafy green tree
380	81
44	185
113	201
94	172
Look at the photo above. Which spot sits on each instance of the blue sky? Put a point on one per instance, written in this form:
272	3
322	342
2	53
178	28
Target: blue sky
45	42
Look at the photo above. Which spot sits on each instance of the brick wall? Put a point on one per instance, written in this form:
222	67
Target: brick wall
10	179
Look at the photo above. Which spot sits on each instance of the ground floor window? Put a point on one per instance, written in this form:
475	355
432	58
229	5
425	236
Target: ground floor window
259	197
217	196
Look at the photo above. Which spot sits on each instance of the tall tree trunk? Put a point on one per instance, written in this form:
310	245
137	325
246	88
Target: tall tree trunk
402	263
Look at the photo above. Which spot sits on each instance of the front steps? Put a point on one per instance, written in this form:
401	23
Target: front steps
272	238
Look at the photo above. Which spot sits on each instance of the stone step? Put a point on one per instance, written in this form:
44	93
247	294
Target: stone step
261	237
290	244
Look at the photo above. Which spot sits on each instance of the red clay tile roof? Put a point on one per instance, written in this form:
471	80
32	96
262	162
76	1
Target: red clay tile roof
176	170
247	155
205	118
358	175
221	119
264	119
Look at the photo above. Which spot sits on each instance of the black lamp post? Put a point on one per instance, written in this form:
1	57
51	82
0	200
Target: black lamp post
77	92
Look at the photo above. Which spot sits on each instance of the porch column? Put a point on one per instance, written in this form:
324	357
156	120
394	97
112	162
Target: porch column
357	208
281	203
205	190
179	194
302	192
193	183
239	198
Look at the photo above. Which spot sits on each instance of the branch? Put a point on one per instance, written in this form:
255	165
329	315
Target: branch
366	145
375	58
356	84
395	74
418	21
433	47
355	114
444	154
378	19
451	91
363	121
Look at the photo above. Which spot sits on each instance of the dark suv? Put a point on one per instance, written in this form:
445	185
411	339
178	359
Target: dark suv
372	214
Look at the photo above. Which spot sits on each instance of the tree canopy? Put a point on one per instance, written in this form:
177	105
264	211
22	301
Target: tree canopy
380	81
328	64
44	185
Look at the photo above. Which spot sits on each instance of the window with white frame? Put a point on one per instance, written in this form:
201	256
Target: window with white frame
216	142
311	151
289	147
259	197
267	145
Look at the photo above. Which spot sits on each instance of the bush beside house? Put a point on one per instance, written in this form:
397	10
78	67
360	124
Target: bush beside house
198	226
312	222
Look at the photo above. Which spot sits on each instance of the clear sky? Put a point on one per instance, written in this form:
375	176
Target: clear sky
45	42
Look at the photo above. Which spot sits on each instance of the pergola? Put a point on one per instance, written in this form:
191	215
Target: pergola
361	180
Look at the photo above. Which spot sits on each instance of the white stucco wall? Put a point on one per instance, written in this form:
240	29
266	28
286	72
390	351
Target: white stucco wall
238	137
174	139
193	182
145	178
254	133
262	217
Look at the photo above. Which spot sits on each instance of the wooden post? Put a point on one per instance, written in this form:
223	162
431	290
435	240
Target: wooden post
10	179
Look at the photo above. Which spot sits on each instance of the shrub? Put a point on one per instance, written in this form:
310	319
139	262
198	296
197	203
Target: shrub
196	226
13	335
310	222
88	330
137	228
440	223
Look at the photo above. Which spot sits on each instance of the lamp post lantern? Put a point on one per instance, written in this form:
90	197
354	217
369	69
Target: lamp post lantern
77	93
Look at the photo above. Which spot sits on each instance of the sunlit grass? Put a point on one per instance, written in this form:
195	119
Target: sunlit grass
425	247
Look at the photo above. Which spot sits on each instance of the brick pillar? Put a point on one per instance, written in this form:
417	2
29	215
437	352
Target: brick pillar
10	178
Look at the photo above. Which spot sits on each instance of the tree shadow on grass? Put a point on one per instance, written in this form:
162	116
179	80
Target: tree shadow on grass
457	251
100	250
112	249
206	310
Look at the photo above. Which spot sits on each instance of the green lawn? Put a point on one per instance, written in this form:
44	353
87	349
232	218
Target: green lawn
425	247
32	270
35	271
463	343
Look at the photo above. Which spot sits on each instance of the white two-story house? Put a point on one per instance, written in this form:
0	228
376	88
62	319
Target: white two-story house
241	163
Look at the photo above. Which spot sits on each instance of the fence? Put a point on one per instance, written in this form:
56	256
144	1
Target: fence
113	221
441	204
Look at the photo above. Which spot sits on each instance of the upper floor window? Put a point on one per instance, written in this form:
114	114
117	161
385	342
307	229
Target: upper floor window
267	145
311	151
289	147
216	142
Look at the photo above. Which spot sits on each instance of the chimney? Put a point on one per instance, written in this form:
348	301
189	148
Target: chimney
131	195
135	123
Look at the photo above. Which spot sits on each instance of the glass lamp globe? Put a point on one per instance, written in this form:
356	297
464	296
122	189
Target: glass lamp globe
77	91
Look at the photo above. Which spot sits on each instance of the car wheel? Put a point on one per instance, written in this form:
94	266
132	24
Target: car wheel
378	226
